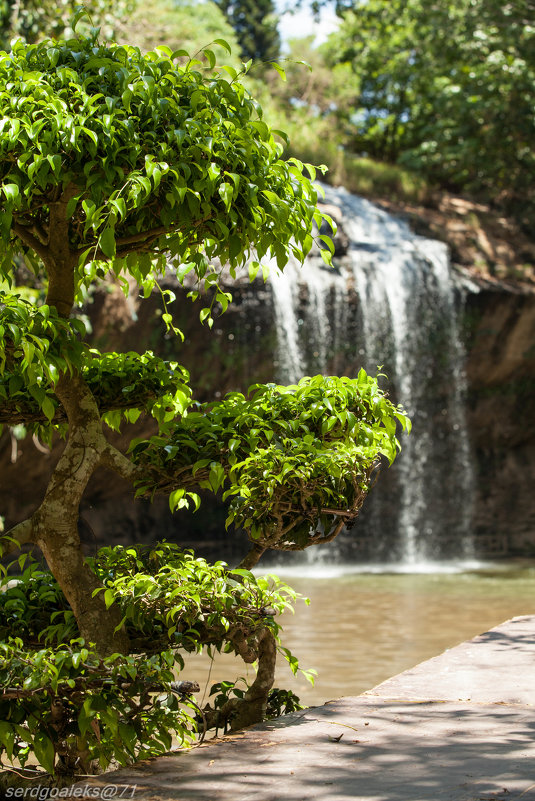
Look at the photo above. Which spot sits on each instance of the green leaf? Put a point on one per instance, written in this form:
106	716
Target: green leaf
176	498
210	57
11	191
48	408
81	11
224	44
328	241
7	737
109	598
44	751
254	267
226	193
205	315
126	98
107	242
279	69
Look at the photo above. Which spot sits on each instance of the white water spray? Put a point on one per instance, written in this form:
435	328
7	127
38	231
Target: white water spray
405	319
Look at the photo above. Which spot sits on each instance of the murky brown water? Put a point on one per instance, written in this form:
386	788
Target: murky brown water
362	628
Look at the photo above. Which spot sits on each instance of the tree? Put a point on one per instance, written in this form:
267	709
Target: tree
255	25
447	89
33	19
111	160
313	104
184	24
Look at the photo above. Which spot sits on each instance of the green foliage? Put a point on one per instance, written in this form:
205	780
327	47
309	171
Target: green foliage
70	708
445	88
37	346
169	597
255	24
294	460
280	702
154	161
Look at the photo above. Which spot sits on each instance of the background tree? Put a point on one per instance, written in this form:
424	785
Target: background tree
446	89
33	19
255	24
178	24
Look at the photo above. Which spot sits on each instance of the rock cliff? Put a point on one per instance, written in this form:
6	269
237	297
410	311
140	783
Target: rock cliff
500	341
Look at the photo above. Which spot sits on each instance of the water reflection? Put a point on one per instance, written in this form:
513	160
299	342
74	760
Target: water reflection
362	628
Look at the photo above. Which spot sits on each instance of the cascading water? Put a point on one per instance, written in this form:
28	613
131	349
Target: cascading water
389	301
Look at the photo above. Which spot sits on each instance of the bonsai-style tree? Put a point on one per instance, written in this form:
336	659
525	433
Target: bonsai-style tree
114	161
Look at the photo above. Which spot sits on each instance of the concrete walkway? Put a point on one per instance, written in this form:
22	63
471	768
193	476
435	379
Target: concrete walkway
459	727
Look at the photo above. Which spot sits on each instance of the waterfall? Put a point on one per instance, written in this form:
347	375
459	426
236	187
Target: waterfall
309	305
389	302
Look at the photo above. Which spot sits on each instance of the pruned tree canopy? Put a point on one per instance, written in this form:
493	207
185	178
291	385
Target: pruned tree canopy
114	159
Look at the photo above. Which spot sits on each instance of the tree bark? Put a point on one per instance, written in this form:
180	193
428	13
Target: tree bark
252	709
252	557
55	523
54	526
60	259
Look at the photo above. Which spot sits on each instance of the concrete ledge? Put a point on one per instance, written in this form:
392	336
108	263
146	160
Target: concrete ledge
497	667
459	727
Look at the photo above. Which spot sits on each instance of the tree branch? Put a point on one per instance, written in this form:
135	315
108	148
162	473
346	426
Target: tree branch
21	534
121	464
31	241
142	236
133	242
252	557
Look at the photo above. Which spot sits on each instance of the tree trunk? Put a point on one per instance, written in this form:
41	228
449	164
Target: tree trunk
252	709
55	523
62	550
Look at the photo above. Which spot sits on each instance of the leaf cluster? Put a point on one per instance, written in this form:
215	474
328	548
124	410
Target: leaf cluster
67	706
37	346
293	460
280	702
153	160
170	597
